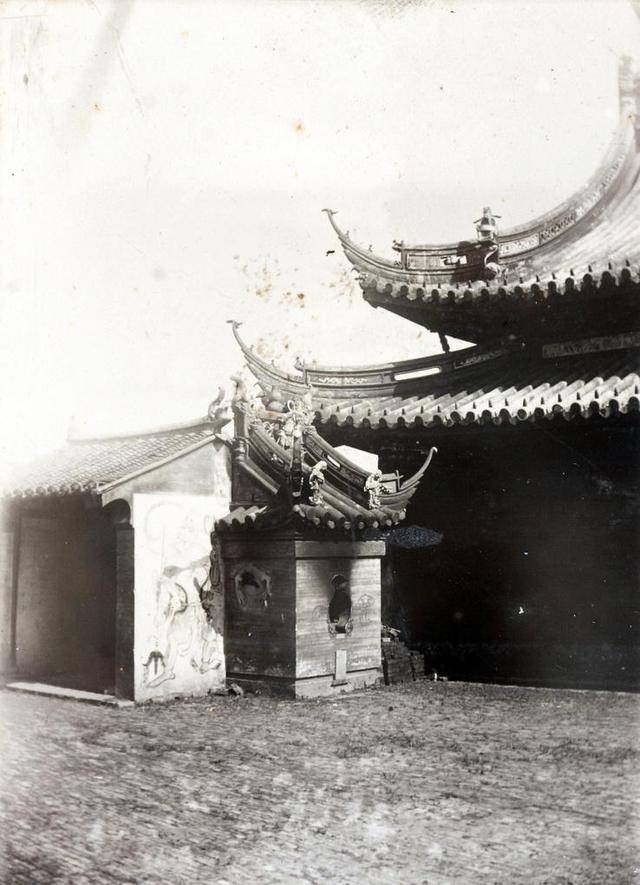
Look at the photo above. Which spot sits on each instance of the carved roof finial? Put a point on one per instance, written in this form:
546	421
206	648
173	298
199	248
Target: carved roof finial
487	226
218	411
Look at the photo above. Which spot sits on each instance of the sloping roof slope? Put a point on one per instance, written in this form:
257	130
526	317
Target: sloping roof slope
95	464
510	389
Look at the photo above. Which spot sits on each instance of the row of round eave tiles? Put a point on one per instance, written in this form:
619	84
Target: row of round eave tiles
346	524
479	291
528	397
503	416
41	491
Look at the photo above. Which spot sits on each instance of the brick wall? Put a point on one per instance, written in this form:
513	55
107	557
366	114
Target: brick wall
316	646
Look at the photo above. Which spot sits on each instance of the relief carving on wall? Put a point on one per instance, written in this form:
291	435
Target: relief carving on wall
321	613
252	587
362	607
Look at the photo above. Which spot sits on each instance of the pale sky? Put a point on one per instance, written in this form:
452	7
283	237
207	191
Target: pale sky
164	166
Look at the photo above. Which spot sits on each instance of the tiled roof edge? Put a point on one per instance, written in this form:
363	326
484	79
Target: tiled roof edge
199	424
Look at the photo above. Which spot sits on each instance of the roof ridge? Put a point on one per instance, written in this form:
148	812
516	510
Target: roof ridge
204	423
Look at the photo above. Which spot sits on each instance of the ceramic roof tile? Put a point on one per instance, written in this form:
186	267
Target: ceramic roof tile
580	385
89	465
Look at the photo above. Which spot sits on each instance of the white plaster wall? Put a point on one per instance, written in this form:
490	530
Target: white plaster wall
178	651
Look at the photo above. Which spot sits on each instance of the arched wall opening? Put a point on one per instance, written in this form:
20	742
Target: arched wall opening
340	604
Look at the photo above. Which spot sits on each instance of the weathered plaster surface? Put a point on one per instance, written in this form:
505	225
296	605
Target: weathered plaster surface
177	649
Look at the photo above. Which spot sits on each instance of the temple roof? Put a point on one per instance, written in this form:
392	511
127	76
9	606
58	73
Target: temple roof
285	472
507	390
584	251
577	378
93	466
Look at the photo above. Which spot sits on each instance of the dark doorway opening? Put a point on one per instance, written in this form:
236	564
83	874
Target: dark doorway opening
66	596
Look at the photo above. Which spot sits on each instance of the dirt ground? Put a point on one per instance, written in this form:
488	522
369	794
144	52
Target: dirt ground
427	783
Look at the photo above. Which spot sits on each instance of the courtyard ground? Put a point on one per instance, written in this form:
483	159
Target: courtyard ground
425	783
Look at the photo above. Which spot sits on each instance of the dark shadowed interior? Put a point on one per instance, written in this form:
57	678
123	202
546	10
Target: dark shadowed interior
536	576
66	593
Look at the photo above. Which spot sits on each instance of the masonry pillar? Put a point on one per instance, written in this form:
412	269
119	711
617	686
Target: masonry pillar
8	569
302	617
120	515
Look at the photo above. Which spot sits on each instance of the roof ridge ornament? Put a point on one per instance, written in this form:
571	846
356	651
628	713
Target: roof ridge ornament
375	488
316	481
219	413
487	226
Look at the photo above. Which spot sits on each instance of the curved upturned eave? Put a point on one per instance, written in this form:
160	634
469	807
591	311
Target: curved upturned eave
621	147
344	485
269	376
599	196
354	481
376	380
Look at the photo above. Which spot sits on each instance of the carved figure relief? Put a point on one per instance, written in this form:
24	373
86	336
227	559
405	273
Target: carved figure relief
375	488
316	481
362	607
252	587
285	433
284	422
